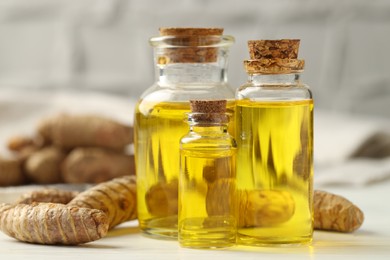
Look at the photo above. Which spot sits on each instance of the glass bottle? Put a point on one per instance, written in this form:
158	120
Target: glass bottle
207	182
189	63
274	124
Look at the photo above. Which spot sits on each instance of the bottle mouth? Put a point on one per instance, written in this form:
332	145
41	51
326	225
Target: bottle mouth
210	119
198	41
190	48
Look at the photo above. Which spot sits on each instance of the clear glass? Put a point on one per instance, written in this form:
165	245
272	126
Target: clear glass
274	124
159	123
207	186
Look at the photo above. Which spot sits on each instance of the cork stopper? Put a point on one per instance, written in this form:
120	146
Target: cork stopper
274	56
191	45
274	49
208	106
209	111
174	31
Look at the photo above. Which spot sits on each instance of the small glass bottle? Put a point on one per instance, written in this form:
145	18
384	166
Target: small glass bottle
207	183
189	63
274	124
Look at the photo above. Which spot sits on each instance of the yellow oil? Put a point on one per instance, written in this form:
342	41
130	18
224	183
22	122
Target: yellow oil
207	213
275	142
159	127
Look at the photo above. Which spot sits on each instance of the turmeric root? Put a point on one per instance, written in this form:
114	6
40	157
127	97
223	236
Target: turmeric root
43	166
162	199
49	223
48	195
96	165
376	146
334	212
117	198
263	208
256	208
69	131
11	173
19	142
220	169
24	146
220	196
270	207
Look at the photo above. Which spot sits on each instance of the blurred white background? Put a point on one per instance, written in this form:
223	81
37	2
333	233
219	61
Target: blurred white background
103	44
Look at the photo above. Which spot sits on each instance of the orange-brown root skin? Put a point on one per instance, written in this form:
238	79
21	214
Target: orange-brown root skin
11	173
96	165
47	195
50	223
117	198
69	131
335	213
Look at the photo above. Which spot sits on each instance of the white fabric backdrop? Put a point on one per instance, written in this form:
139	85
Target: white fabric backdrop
103	44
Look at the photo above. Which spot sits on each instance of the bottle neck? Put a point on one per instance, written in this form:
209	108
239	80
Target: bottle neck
191	73
208	122
275	79
191	59
208	129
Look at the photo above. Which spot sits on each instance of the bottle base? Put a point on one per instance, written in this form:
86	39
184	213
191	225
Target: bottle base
207	244
208	233
274	241
208	240
160	228
160	234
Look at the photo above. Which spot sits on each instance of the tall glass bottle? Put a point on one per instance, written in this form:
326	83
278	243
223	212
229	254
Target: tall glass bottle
274	124
189	63
207	182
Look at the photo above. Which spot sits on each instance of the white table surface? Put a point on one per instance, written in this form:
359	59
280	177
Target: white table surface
371	241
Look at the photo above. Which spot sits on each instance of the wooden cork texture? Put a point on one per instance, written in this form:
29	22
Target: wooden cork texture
173	31
273	66
209	111
274	57
274	49
191	45
208	106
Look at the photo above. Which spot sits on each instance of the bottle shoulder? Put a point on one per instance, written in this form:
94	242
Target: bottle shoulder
185	92
290	91
178	97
